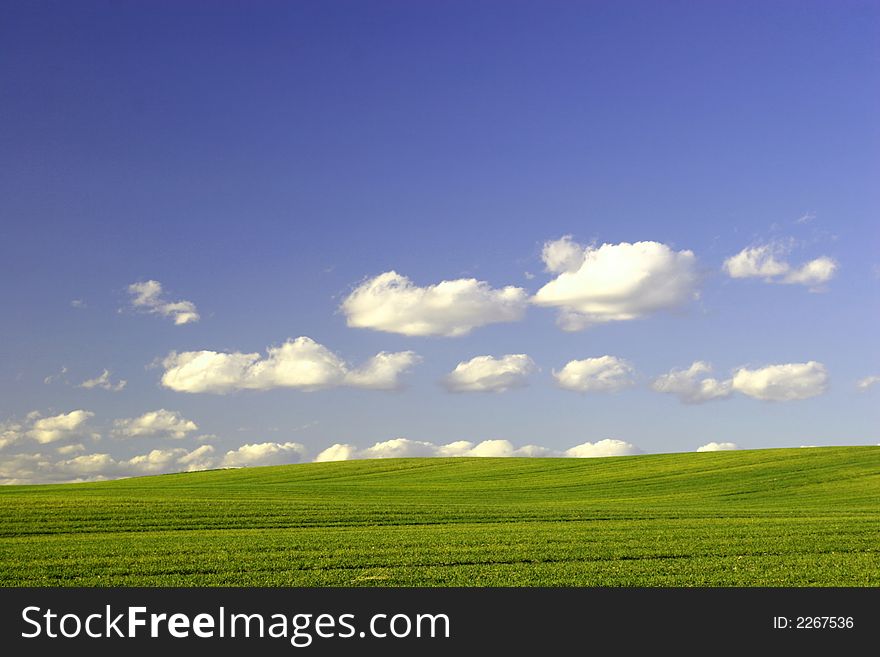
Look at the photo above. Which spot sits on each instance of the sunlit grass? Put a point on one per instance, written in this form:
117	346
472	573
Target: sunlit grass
793	517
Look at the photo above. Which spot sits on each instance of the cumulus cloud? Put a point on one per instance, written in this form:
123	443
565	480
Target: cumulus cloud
146	296
607	447
603	374
301	363
104	382
867	382
717	447
42	469
785	382
264	454
615	282
767	261
160	423
405	448
692	386
489	374
393	303
59	427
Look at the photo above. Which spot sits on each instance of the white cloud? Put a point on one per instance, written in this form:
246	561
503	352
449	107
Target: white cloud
691	386
398	448
337	452
606	447
301	363
10	433
264	454
18	469
756	262
717	447
766	261
147	297
77	303
58	427
603	374
103	381
40	469
199	459
867	382
785	382
489	374
70	449
562	255
160	423
382	371
393	303
813	273
615	282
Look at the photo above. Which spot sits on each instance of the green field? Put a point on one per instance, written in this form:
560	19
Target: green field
784	517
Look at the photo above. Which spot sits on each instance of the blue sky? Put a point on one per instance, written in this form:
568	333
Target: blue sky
265	161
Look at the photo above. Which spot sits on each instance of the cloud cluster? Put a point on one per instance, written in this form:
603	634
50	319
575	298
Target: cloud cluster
489	374
405	448
146	296
393	303
615	282
693	386
603	374
42	468
782	382
765	261
103	382
160	423
301	363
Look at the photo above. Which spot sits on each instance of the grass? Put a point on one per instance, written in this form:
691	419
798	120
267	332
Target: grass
785	517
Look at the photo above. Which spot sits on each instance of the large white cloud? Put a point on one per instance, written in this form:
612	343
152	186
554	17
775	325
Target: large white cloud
59	427
489	374
717	447
603	374
264	454
405	448
160	423
104	382
766	261
301	363
615	282
785	382
692	385
146	296
393	303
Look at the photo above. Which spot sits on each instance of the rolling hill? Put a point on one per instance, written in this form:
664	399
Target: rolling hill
783	517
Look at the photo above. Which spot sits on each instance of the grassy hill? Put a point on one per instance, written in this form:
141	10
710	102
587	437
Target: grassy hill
785	517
